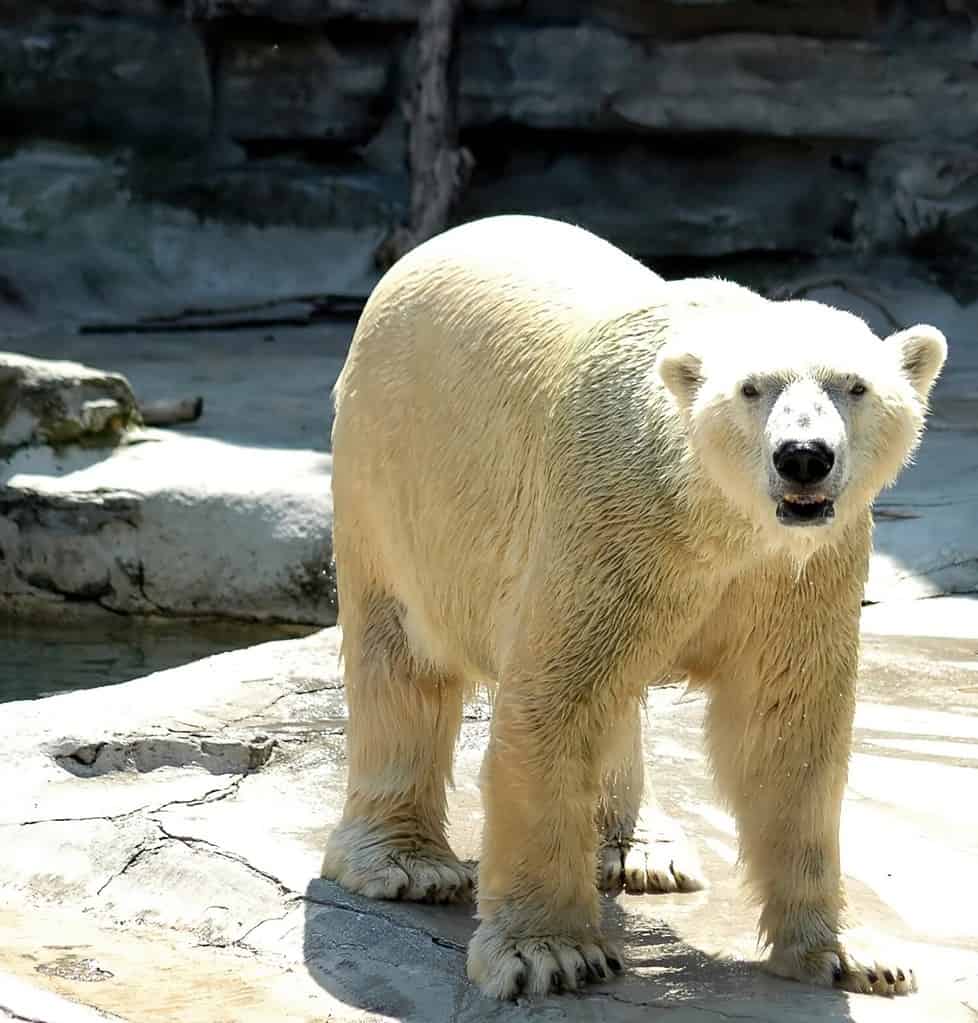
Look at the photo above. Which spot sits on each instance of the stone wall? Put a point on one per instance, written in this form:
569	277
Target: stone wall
680	129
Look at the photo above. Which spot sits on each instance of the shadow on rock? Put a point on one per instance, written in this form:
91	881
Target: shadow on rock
407	961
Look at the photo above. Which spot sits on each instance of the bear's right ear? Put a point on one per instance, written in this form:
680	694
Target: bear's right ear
921	351
682	373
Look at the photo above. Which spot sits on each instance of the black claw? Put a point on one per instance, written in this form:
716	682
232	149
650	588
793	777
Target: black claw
520	982
557	981
837	974
581	971
615	963
900	975
888	976
873	976
596	971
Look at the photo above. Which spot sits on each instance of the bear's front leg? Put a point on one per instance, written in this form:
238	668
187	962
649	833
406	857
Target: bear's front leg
538	904
780	746
642	849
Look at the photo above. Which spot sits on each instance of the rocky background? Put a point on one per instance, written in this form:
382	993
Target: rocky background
195	194
212	145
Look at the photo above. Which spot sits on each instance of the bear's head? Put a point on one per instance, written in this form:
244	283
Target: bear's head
797	412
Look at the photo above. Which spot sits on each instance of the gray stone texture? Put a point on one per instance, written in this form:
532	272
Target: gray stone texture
714	198
303	87
680	18
127	80
589	78
693	130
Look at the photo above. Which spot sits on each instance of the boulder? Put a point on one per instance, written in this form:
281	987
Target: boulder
243	534
290	192
589	78
677	18
17	10
45	186
312	12
131	80
60	403
924	197
708	200
304	12
92	233
303	88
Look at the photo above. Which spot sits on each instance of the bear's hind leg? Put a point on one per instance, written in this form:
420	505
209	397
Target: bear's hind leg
642	849
404	718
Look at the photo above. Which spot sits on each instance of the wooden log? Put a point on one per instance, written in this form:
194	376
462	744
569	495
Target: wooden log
172	410
439	168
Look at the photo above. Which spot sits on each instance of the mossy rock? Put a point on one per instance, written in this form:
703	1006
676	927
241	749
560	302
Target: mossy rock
61	403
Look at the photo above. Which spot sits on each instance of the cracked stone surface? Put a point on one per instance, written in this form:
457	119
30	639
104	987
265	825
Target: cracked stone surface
160	843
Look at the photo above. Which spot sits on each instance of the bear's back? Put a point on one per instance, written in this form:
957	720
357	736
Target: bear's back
504	290
443	409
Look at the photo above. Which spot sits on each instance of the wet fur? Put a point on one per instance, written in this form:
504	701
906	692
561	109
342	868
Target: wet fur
527	495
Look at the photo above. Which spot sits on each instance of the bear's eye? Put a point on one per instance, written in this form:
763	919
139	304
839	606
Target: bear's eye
750	391
857	390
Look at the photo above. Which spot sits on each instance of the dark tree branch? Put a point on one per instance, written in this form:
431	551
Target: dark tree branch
439	168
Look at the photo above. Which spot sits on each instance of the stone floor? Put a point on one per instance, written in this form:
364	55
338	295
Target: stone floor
160	846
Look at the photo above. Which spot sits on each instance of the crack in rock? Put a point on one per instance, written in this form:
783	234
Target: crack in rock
141	850
436	939
660	1004
241	940
192	842
109	817
210	796
8	1013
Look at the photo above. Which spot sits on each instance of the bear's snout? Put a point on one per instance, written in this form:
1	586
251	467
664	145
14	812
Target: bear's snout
804	462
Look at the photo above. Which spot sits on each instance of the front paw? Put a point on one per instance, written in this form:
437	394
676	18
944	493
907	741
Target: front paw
655	857
837	967
505	966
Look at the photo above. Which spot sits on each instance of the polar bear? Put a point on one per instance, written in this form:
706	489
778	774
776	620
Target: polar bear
559	475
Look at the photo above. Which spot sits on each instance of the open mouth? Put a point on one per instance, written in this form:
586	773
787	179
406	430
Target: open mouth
805	510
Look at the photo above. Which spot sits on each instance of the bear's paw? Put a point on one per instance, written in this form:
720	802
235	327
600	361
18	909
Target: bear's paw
389	869
837	967
657	857
505	967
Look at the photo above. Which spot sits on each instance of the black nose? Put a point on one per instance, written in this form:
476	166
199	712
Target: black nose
804	463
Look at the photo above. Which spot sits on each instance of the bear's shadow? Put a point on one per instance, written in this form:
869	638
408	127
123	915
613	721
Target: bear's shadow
407	961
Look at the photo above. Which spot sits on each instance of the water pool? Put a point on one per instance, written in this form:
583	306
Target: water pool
43	659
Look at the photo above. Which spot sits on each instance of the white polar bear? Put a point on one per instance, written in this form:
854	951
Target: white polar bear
557	474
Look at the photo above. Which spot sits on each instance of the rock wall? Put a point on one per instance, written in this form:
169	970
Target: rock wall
697	130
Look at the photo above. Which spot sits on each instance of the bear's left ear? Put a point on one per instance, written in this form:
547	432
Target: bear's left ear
682	373
921	351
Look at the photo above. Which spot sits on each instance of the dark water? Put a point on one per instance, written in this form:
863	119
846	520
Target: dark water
40	660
